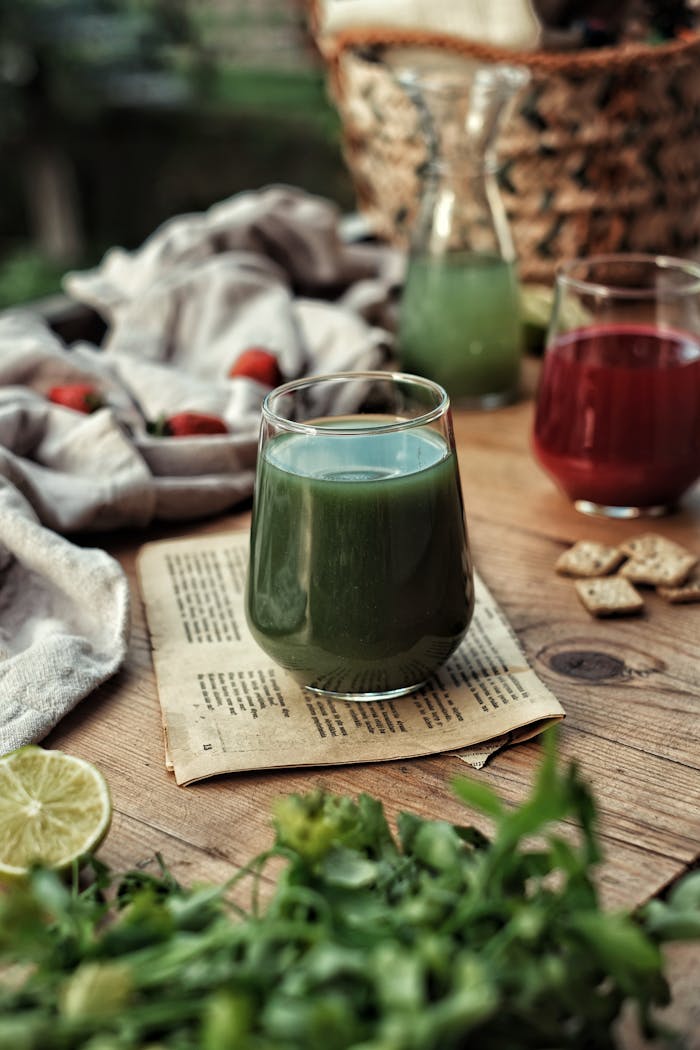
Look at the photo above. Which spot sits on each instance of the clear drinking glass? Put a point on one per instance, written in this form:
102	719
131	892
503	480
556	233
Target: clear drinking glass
459	319
360	578
618	410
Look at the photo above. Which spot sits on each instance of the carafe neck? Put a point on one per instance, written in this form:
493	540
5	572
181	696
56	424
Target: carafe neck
460	112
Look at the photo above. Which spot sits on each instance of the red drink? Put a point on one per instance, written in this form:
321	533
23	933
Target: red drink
618	415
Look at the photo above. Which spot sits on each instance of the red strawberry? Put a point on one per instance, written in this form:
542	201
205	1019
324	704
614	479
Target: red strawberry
257	363
81	397
187	424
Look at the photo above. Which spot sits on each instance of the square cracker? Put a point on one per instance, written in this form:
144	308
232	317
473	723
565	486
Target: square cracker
609	596
588	558
657	561
687	592
651	543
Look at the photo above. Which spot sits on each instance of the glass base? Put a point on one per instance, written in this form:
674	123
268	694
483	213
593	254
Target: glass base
388	694
587	507
485	402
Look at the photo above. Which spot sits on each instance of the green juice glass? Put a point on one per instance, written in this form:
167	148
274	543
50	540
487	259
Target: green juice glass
360	579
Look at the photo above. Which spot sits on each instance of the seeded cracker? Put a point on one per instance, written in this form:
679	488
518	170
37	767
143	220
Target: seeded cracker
687	592
656	561
650	543
610	596
588	558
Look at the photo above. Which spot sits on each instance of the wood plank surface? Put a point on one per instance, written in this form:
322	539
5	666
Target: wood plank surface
631	690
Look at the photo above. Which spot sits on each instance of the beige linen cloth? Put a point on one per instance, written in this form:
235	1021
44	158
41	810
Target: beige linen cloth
265	268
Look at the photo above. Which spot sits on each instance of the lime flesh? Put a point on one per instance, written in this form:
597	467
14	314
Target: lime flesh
54	809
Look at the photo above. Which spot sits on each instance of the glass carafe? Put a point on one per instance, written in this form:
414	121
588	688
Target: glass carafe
459	319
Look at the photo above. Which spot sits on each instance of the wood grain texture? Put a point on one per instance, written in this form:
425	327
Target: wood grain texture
631	690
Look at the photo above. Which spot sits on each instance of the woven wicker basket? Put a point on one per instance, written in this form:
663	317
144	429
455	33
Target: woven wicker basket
602	153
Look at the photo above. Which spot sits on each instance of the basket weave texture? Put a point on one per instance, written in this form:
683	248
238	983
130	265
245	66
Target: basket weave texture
601	154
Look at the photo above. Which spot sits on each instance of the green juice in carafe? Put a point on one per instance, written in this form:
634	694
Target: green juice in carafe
359	576
460	325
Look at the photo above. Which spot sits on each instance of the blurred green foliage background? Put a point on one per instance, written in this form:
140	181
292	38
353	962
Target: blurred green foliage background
118	114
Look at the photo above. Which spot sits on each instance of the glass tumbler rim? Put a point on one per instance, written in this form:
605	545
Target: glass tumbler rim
607	289
283	423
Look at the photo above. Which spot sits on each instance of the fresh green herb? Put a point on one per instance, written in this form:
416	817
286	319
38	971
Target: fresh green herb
432	939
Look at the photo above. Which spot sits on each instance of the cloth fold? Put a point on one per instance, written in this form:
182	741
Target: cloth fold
266	268
64	621
513	24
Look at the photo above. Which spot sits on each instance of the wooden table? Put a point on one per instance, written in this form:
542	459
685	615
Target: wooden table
631	690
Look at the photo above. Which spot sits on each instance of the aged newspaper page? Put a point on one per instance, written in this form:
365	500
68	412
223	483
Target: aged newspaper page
227	708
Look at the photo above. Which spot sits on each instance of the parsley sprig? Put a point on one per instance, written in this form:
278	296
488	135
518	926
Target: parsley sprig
432	938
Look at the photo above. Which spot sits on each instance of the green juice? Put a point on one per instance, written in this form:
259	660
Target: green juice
460	325
359	577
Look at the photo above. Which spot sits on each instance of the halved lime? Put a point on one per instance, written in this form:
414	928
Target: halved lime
54	809
535	311
536	306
